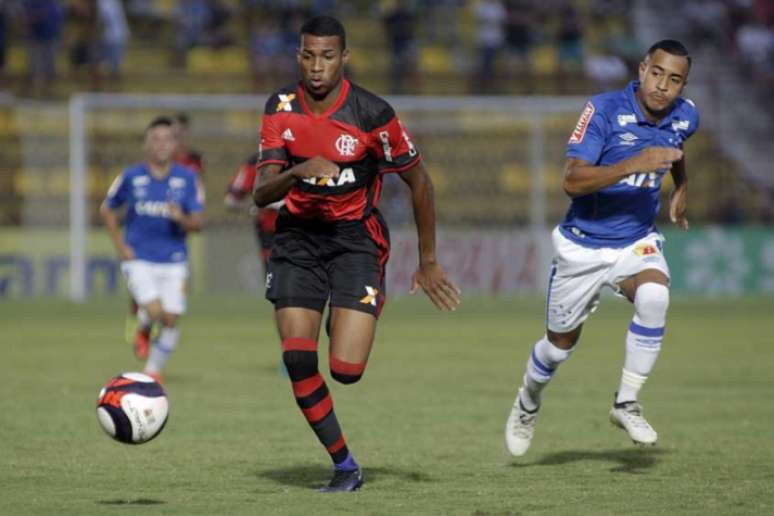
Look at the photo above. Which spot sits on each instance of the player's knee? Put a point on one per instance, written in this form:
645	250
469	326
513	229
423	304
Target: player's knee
301	364
346	372
299	357
651	302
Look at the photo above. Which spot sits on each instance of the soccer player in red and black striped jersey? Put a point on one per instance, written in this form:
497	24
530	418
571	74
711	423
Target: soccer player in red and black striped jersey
325	144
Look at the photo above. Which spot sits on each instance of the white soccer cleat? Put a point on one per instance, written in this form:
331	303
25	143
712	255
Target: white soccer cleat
519	428
628	415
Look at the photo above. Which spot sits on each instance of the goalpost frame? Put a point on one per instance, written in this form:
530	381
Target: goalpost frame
531	107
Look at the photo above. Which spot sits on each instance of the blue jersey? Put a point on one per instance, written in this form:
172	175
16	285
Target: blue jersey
149	231
611	129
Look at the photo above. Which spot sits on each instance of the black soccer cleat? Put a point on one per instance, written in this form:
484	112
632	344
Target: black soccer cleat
343	481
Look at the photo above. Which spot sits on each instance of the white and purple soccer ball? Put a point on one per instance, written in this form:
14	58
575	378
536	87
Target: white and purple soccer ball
132	408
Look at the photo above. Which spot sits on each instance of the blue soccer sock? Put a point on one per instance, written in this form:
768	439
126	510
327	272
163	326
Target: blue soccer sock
347	464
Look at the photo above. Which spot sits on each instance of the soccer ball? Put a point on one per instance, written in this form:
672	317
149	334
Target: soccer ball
132	408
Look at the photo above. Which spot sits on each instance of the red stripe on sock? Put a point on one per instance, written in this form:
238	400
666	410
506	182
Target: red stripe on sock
348	368
319	411
339	444
297	344
306	387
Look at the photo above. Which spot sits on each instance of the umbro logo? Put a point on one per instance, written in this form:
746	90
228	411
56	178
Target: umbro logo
628	138
288	135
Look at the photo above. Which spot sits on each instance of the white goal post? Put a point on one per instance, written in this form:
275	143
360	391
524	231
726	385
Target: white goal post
429	116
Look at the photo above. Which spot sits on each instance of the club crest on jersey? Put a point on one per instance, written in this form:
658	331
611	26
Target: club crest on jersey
370	298
583	124
681	125
346	144
286	101
645	250
623	120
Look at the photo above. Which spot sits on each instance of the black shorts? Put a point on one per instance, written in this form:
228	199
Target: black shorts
312	263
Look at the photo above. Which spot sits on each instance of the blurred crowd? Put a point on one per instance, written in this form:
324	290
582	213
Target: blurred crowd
742	29
483	40
487	41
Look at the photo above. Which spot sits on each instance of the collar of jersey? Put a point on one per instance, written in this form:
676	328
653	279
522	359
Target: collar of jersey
630	93
334	107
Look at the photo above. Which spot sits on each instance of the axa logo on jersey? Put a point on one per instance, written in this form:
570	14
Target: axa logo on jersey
346	176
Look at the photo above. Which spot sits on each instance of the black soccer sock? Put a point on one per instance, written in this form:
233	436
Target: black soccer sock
312	396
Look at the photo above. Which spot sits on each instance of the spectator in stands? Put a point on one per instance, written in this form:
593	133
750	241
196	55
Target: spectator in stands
84	47
114	35
518	29
399	22
43	23
755	43
491	17
145	18
3	41
192	17
570	38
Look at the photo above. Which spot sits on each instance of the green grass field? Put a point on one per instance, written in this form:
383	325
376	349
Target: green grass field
426	421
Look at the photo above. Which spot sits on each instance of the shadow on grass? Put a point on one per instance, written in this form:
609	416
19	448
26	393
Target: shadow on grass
634	461
137	501
315	476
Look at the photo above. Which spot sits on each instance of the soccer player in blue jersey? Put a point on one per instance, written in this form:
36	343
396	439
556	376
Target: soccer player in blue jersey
623	144
164	202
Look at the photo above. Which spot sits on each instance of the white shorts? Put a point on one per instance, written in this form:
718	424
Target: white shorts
148	281
579	273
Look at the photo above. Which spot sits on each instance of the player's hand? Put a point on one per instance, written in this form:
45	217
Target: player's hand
175	212
678	206
316	167
432	278
655	159
125	253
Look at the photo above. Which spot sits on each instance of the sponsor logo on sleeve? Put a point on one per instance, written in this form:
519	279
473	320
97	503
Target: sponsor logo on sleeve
286	102
583	124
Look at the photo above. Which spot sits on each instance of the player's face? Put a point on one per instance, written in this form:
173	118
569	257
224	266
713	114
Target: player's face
322	61
160	144
662	79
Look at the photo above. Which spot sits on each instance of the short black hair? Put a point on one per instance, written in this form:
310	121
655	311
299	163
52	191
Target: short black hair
670	46
160	121
182	118
324	26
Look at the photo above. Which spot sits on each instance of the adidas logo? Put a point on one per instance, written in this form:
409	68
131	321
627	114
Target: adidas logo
288	135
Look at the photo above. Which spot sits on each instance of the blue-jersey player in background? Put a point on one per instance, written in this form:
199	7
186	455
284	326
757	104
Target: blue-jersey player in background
163	202
623	144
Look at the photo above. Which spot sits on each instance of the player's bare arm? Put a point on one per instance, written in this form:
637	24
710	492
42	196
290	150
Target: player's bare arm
582	178
678	199
274	184
110	218
430	275
191	223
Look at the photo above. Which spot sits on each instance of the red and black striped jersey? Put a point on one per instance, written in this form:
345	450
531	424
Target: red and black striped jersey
360	132
241	185
192	160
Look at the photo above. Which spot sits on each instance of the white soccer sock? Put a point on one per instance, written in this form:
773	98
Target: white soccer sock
144	321
541	366
643	340
161	349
